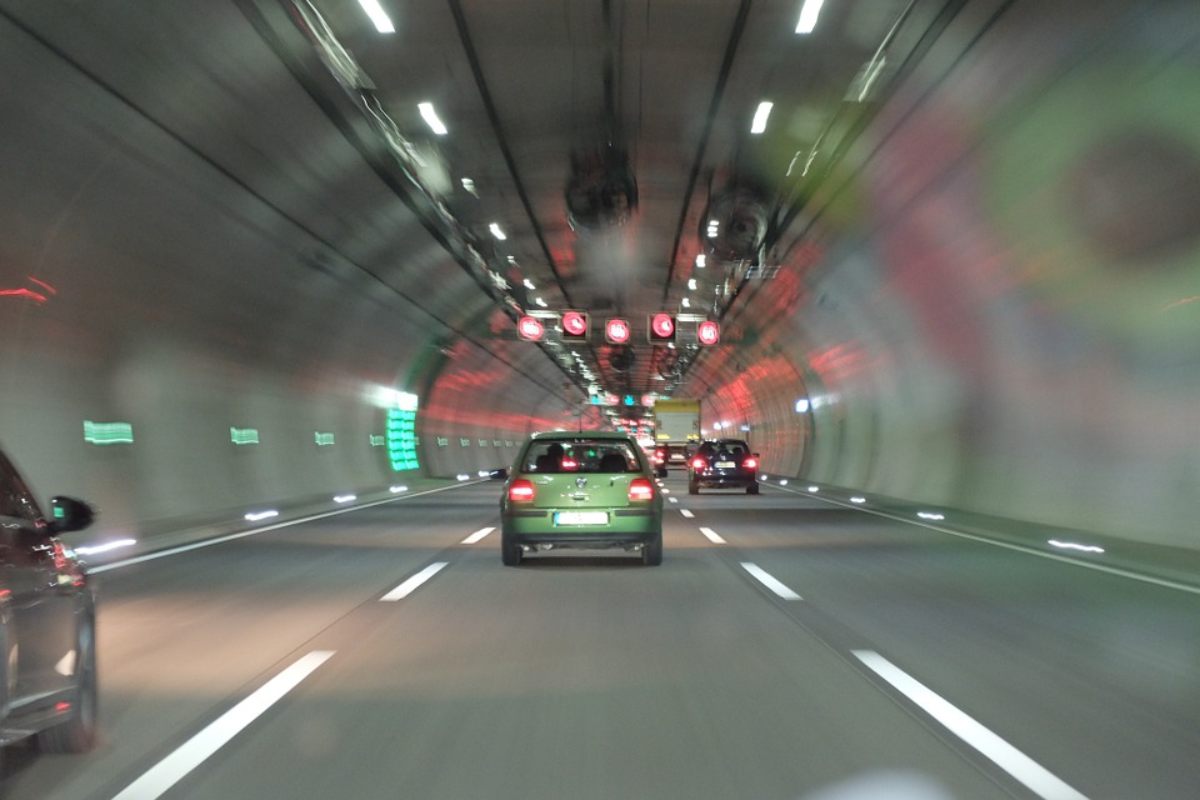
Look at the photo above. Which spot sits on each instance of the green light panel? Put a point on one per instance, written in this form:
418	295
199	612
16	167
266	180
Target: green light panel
322	439
107	432
378	441
240	436
402	438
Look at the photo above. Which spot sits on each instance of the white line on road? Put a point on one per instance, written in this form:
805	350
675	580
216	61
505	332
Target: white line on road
1032	775
409	586
686	513
1124	573
713	536
192	753
242	534
477	535
770	581
673	499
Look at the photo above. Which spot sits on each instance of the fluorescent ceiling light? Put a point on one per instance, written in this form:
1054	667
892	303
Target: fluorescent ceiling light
497	232
431	118
686	303
529	285
701	261
808	16
383	23
761	116
692	284
540	302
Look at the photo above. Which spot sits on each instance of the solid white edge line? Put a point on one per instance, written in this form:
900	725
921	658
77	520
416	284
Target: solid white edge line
770	581
712	536
477	535
1024	769
687	513
410	585
1118	571
166	773
171	551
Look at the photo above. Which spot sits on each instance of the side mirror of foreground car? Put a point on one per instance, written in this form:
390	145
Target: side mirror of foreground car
69	514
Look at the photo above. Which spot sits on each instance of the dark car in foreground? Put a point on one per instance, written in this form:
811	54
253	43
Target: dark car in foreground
47	623
723	464
586	490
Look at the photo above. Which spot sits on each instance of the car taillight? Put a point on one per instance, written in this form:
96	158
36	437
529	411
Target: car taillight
569	464
750	463
641	489
699	463
521	491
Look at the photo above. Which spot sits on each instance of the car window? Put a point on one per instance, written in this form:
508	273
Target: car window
15	498
581	455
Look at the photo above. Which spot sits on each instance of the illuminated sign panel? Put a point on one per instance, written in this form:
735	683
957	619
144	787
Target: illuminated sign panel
402	434
617	331
708	332
662	328
530	329
575	326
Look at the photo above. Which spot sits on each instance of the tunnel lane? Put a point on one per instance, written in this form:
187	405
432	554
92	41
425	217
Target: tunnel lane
598	677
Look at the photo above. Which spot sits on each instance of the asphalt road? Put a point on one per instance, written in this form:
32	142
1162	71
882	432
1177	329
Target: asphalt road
811	651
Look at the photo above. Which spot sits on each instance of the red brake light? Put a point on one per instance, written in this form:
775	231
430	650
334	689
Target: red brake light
750	463
569	464
521	491
699	463
641	489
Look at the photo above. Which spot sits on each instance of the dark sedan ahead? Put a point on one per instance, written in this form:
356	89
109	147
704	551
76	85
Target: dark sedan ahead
723	464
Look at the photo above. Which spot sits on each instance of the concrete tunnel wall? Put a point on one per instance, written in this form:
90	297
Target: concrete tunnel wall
228	261
998	312
995	313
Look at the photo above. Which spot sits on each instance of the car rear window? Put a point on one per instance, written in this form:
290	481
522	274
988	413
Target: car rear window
584	455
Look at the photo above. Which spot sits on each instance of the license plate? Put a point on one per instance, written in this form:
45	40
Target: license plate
676	457
726	465
581	518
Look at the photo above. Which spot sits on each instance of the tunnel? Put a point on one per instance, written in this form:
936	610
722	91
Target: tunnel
285	288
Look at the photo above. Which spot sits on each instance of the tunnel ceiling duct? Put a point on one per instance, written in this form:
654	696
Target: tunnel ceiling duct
734	226
602	190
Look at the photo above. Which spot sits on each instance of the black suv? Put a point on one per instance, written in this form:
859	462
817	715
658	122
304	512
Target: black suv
723	464
47	623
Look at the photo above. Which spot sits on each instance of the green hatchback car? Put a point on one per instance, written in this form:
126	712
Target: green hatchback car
586	490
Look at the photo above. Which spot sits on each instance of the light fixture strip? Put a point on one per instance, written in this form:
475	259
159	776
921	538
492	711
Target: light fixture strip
759	125
808	16
429	114
379	17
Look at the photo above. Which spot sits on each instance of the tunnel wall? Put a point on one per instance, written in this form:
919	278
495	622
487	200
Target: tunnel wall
994	305
194	258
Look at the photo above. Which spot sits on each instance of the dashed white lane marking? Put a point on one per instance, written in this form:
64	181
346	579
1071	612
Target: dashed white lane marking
477	535
770	581
409	586
687	513
1124	573
673	499
713	537
189	755
1032	775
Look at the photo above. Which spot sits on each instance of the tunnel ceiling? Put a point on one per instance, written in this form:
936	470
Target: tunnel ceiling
526	89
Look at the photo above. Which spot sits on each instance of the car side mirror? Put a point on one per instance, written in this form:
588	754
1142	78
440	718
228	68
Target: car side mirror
69	514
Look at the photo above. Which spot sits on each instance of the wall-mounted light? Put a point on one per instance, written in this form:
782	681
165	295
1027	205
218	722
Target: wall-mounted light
379	17
808	16
432	119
